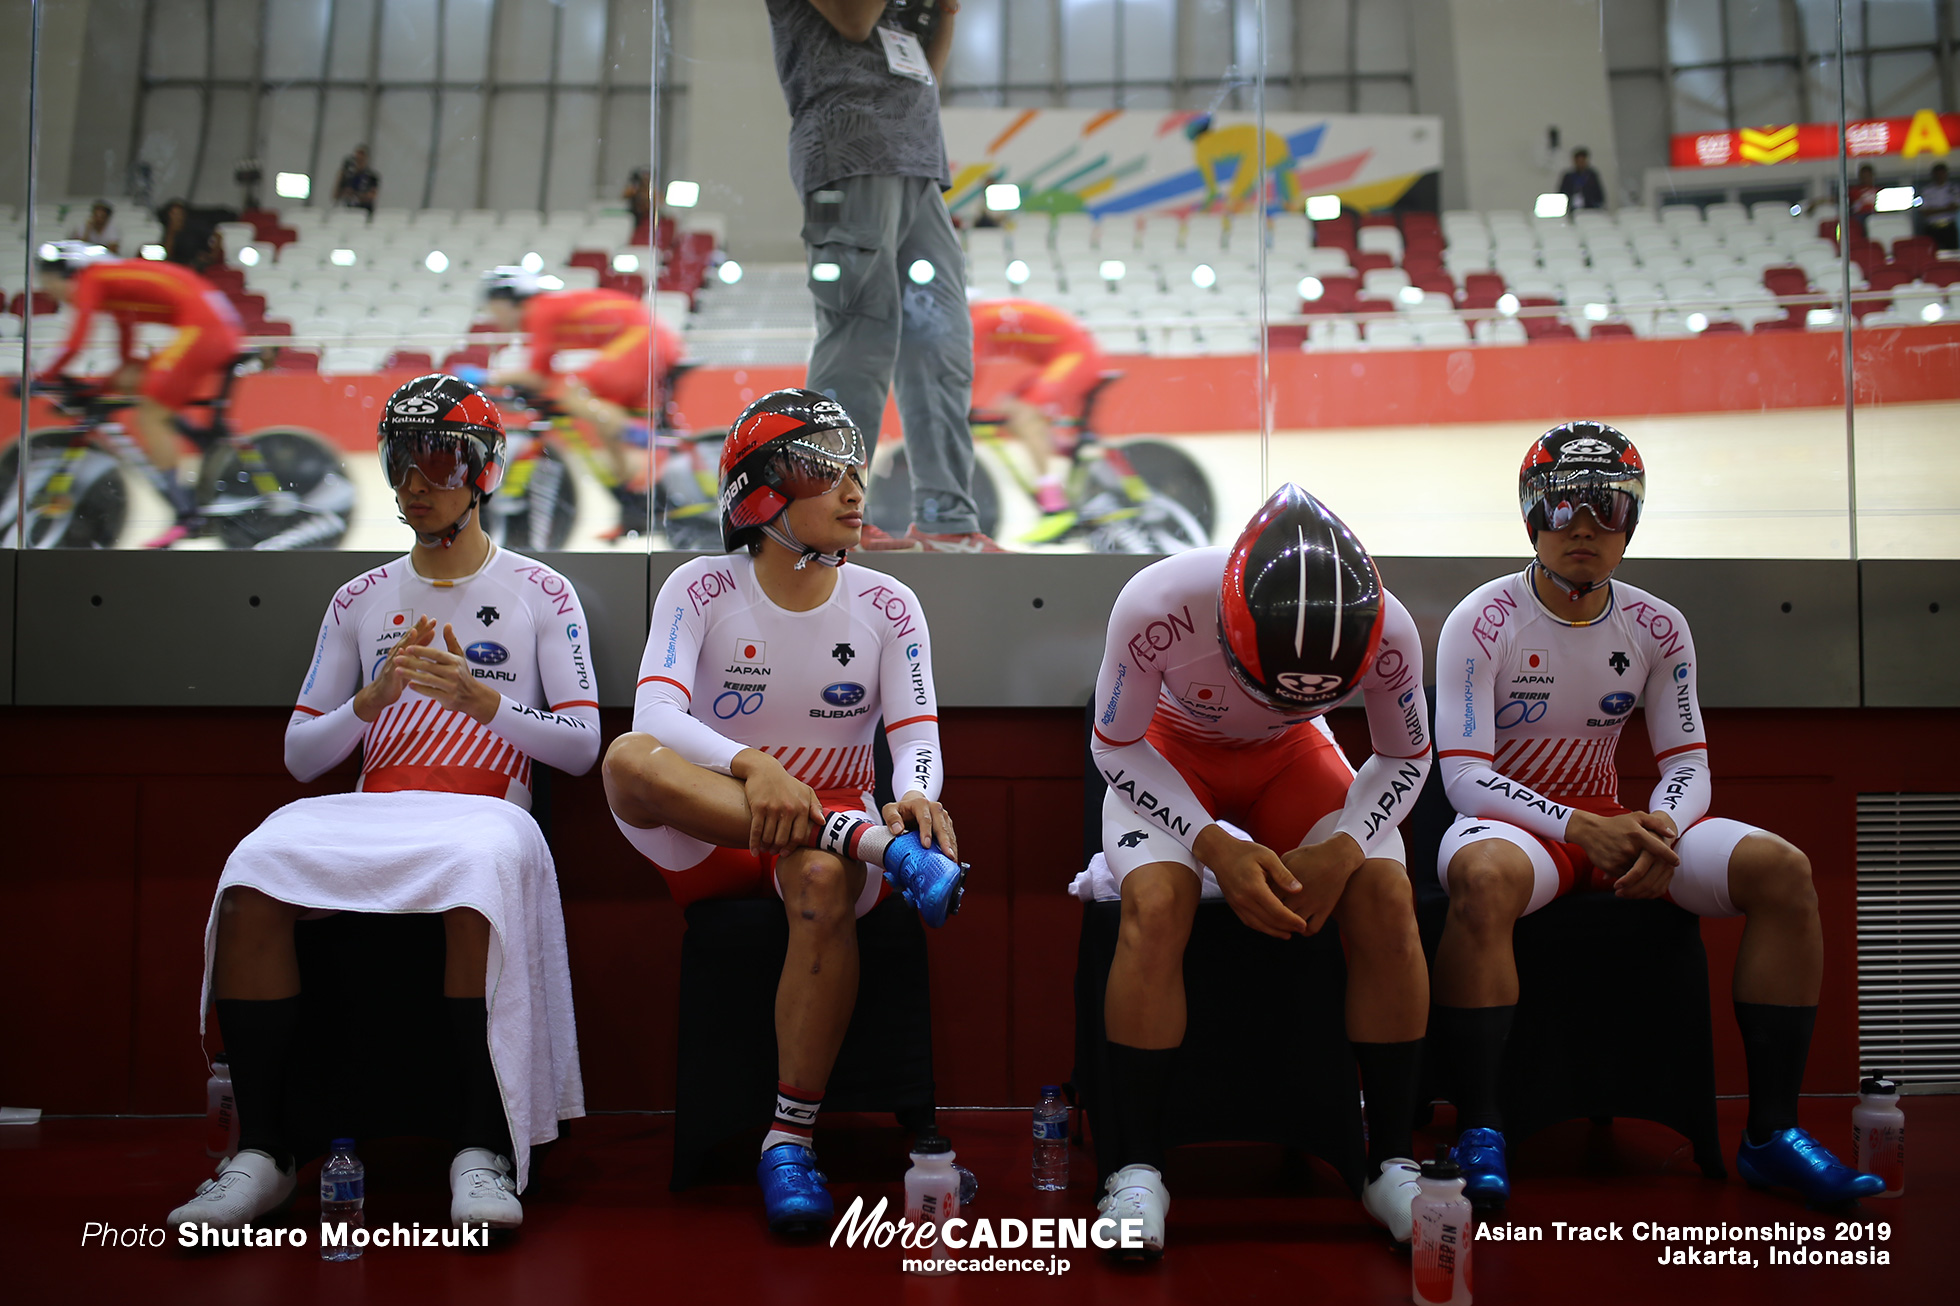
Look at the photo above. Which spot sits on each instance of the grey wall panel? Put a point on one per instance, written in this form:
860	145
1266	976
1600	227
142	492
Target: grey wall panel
7	557
612	588
171	630
1911	630
1010	631
1752	652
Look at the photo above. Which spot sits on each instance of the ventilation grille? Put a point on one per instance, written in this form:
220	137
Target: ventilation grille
1909	937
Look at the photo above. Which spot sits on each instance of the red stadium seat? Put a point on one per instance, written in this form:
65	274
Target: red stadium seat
596	259
1337	296
279	238
1725	327
271	327
1438	282
628	283
225	279
408	360
296	360
1786	281
1614	330
44	303
1379	220
1548	329
1914	252
1337	232
1941	272
1421	223
469	356
1886	276
1366	261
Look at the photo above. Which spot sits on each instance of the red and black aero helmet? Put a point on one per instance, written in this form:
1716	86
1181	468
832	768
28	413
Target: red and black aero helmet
789	444
445	428
1300	614
1581	465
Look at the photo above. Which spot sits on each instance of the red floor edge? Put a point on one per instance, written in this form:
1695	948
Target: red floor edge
1247	1223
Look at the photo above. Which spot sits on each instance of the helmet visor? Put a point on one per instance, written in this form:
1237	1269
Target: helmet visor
813	464
1613	501
441	457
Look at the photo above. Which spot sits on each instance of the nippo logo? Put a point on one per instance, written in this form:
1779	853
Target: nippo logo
415	406
486	654
843	694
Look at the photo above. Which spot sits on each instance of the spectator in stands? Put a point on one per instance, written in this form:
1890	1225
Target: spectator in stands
639	201
1580	184
358	184
98	228
867	155
1939	204
1864	196
187	235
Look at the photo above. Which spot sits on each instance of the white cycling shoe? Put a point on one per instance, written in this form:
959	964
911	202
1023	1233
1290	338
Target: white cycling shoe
1390	1194
1137	1192
483	1191
248	1186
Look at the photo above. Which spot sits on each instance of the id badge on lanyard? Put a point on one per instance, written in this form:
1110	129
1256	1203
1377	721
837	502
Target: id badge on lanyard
904	55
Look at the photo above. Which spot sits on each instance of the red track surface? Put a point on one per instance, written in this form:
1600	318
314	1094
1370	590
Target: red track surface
1245	1226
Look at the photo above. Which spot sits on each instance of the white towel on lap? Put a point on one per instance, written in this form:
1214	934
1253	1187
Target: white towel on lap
1096	884
421	851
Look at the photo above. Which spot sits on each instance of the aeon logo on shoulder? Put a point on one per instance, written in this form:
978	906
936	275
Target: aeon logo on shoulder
486	654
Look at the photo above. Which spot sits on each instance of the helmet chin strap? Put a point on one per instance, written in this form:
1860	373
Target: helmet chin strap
444	538
780	532
1574	591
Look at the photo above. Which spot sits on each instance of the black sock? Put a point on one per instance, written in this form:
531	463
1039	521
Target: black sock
480	1118
1139	1081
259	1037
1472	1047
1776	1044
1388	1081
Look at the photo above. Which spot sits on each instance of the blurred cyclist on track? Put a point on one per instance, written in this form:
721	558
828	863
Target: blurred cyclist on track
610	392
1067	366
90	280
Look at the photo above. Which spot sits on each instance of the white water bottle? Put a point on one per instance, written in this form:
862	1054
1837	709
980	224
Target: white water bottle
220	1110
1878	1133
1440	1248
932	1197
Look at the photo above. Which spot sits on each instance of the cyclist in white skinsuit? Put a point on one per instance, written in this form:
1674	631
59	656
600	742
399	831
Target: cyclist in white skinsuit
1536	675
727	669
1218	668
453	670
749	768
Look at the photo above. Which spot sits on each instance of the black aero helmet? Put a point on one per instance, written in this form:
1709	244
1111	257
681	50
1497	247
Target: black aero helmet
445	428
1581	465
1301	611
789	444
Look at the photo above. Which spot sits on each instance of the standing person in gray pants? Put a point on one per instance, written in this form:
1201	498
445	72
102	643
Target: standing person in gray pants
867	155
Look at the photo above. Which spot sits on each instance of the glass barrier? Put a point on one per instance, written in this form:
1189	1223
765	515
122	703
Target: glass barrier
1303	241
1089	322
283	212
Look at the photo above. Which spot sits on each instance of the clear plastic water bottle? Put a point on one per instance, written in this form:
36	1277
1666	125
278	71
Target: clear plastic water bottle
343	1190
220	1110
1440	1248
1878	1133
1051	1140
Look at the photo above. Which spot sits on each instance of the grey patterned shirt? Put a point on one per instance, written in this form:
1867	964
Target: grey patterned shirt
850	114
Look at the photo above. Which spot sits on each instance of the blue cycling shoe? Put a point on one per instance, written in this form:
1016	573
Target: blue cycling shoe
1479	1153
1793	1159
925	877
793	1192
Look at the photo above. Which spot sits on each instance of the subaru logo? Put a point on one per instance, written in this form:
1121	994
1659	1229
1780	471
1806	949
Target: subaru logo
1616	704
486	654
843	694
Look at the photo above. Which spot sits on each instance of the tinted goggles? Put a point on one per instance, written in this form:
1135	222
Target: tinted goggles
442	457
814	464
1614	504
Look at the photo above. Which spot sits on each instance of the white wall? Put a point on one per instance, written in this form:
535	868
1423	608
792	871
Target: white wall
1521	66
734	139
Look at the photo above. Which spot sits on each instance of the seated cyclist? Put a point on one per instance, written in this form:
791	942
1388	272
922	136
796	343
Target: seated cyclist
1219	665
455	670
609	392
90	280
1550	663
1067	367
749	771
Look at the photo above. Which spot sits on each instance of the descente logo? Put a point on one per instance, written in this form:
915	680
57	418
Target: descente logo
860	1228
